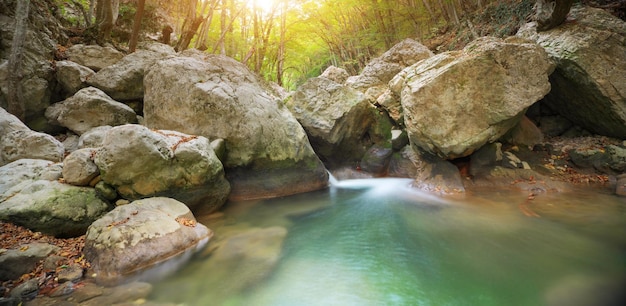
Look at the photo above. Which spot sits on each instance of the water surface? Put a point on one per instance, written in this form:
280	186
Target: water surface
379	242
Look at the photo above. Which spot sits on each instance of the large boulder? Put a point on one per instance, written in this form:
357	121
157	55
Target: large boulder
340	121
52	208
374	77
124	80
268	153
589	82
89	108
93	56
26	171
16	262
17	141
455	102
141	163
136	236
72	76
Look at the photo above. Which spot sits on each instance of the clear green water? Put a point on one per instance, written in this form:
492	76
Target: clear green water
378	242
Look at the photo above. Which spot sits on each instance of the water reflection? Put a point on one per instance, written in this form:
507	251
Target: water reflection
379	242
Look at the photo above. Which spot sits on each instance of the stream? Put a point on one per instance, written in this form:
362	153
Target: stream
380	242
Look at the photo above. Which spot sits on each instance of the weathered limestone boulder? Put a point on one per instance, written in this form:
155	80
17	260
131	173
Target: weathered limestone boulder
136	236
26	171
89	108
124	80
335	74
340	121
17	141
374	77
589	83
268	153
72	76
141	163
455	102
17	262
93	56
94	137
53	208
79	168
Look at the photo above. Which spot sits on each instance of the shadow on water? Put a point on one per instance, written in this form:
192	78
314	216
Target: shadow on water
379	242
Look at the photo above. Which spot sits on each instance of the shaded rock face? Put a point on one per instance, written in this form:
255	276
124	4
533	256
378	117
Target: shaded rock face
52	208
267	151
136	236
37	73
15	263
89	108
140	163
340	121
589	82
455	102
17	141
72	76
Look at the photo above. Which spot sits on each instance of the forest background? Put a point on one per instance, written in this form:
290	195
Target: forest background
290	41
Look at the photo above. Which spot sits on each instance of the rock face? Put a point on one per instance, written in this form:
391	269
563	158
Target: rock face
25	171
89	108
141	234
382	69
267	151
455	102
79	168
124	80
589	83
72	76
142	163
340	121
52	208
15	263
17	141
93	56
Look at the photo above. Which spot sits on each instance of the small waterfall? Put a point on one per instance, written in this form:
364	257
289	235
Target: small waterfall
332	180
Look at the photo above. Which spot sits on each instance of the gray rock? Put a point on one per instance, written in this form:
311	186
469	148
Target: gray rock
79	168
71	273
94	137
17	262
17	141
268	152
438	176
134	237
72	76
26	291
106	191
124	294
455	102
376	160
554	125
335	74
89	108
588	85
26	171
93	56
124	80
525	133
162	163
53	208
340	121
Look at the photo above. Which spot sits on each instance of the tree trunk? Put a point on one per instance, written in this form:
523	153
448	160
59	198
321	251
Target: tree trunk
551	13
132	44
106	16
15	97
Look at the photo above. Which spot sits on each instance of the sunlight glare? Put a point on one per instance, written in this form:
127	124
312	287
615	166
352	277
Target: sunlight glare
265	5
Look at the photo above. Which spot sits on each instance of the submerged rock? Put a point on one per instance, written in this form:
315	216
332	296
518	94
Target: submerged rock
589	83
136	236
267	151
455	102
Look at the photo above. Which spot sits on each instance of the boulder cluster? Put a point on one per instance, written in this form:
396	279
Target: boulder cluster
145	140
